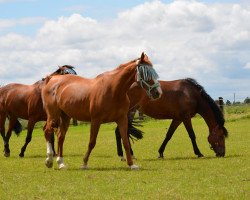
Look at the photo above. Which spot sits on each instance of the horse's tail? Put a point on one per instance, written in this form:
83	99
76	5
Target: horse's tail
17	128
133	132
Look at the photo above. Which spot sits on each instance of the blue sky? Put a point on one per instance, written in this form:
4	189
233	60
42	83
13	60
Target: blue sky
207	40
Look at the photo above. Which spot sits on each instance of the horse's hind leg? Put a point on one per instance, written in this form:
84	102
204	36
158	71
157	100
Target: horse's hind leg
2	127
64	125
52	140
31	124
191	134
48	131
173	126
12	121
94	129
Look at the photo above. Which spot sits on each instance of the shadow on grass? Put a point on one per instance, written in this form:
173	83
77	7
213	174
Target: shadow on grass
193	158
67	155
103	169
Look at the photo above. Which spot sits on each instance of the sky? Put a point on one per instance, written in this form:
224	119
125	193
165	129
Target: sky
206	40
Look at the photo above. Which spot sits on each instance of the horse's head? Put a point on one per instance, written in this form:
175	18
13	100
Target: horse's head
216	139
147	77
65	69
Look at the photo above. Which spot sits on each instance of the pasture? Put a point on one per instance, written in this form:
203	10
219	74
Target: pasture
179	176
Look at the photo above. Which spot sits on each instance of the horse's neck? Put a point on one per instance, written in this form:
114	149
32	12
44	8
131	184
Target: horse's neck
123	79
207	113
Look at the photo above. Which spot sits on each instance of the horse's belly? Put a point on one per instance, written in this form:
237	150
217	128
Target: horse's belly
78	112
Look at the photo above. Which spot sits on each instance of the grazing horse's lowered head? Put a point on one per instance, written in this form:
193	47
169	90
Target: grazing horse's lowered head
216	139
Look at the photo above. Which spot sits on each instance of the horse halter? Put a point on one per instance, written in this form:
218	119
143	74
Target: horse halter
148	73
68	71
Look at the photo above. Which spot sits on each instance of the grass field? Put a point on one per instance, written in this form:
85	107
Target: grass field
179	176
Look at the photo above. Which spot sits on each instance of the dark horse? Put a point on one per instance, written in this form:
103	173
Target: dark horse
180	101
25	102
99	100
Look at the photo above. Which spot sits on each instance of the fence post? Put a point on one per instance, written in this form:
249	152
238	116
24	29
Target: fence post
221	104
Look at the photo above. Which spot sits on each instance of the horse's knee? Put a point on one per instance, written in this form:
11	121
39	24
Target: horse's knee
92	145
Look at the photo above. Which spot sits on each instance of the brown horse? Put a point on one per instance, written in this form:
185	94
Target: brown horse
23	101
180	101
99	100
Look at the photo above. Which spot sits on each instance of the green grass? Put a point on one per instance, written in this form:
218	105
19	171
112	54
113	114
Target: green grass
235	112
179	176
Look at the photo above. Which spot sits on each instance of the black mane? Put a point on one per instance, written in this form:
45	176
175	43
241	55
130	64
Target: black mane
215	108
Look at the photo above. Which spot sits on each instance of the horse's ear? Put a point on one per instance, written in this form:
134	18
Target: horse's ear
142	56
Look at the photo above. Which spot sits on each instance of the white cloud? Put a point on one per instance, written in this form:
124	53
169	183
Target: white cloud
209	42
8	23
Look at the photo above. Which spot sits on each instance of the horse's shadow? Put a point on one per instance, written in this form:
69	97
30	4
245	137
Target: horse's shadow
192	158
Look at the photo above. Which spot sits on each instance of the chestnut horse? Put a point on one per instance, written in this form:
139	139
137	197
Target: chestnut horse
25	102
99	100
180	101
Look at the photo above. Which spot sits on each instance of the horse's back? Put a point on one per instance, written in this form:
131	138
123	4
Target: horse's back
68	93
20	100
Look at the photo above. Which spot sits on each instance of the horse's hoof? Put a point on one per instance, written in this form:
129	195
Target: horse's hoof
62	166
160	157
49	163
7	155
21	155
84	167
134	167
123	159
200	156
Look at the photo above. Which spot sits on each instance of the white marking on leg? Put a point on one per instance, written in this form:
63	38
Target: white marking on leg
49	159
122	158
60	163
84	167
49	149
134	167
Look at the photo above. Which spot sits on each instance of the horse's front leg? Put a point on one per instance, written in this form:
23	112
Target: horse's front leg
94	129
192	136
173	126
123	127
12	122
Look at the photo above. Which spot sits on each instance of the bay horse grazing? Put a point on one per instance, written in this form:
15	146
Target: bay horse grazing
25	102
180	101
99	100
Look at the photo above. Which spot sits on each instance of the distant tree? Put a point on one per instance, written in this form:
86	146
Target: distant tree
228	103
247	100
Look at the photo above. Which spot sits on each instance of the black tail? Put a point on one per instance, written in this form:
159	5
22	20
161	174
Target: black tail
17	128
133	132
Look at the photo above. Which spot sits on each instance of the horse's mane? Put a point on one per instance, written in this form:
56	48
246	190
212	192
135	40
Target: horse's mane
215	108
125	64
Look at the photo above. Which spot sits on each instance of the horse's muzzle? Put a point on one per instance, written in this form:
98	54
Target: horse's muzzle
155	94
220	152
